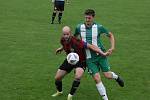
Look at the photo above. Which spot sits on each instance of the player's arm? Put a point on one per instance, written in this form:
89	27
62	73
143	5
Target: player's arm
112	42
95	48
77	32
59	50
82	44
111	38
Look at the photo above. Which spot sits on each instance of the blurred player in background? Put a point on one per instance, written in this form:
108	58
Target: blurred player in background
58	9
72	44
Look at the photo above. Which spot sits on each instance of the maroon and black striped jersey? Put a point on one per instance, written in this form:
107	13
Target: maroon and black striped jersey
74	45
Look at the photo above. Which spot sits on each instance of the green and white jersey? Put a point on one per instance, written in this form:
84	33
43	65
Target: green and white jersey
92	36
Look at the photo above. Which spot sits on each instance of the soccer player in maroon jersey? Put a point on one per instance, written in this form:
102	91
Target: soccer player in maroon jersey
71	44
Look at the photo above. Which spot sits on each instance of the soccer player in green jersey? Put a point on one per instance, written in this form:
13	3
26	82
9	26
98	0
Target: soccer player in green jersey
91	32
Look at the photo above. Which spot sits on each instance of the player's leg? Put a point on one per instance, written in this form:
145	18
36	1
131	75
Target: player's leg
53	16
99	85
60	16
94	70
58	82
79	71
64	69
112	75
107	73
78	74
54	12
61	9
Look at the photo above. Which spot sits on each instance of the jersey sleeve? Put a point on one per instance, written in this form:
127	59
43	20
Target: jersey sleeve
79	43
77	31
104	30
61	41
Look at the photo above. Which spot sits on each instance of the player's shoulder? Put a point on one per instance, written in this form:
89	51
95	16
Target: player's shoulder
75	39
62	40
80	24
98	24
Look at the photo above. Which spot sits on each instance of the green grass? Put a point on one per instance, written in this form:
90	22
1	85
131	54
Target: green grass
28	41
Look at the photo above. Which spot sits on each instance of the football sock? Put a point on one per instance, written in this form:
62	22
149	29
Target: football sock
114	76
75	85
59	17
102	91
53	17
58	85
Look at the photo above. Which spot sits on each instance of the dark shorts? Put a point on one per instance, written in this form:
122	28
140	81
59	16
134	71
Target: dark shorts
59	5
68	67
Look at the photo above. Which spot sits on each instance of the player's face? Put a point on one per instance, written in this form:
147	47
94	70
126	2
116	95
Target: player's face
66	35
89	19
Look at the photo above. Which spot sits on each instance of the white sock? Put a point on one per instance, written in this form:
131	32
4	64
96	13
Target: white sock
114	76
102	91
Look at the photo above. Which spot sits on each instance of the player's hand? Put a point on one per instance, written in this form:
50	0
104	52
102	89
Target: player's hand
106	54
110	51
58	51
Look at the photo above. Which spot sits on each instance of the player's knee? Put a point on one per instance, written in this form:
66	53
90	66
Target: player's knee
78	76
108	75
79	73
58	78
77	79
97	78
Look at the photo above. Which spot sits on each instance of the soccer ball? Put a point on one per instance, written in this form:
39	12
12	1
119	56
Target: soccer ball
72	58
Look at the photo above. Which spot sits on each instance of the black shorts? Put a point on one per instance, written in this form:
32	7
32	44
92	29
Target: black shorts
59	5
68	67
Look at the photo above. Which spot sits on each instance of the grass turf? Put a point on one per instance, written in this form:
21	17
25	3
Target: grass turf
28	42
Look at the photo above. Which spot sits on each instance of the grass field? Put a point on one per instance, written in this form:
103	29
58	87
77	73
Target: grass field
28	41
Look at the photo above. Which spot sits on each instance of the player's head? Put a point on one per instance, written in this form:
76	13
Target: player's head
89	16
89	12
66	33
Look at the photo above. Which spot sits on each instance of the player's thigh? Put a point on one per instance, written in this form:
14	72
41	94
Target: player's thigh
79	69
66	66
97	77
59	6
108	74
104	64
60	74
92	67
79	72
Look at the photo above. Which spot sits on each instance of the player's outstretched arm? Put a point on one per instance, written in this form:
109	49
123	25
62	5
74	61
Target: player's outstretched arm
112	42
59	50
96	49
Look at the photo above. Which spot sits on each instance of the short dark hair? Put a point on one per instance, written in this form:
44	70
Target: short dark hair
89	12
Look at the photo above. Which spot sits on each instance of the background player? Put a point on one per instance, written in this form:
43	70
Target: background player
58	8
